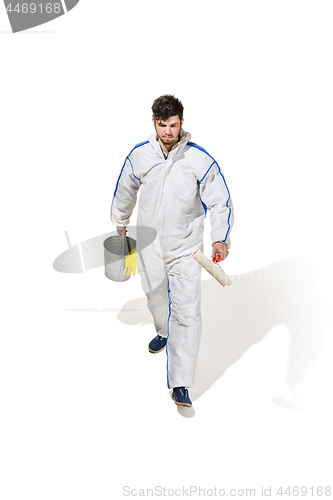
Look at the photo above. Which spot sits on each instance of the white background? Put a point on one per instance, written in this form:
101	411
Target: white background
84	407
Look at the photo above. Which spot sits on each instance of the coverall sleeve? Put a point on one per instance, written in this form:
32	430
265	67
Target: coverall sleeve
215	195
124	198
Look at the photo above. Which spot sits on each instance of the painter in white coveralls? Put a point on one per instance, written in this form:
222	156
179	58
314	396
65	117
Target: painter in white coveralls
178	182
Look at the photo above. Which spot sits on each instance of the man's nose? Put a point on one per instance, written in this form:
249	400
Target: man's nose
168	131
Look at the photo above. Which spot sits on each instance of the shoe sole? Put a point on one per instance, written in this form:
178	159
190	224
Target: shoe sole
156	352
181	404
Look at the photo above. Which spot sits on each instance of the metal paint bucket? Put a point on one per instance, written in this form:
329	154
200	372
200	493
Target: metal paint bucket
115	249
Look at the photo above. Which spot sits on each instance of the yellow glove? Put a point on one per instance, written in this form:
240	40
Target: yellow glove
131	261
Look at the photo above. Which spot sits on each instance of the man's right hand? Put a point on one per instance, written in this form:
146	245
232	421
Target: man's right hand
121	231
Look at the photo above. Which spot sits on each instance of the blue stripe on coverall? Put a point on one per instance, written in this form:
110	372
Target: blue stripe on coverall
192	144
167	366
127	158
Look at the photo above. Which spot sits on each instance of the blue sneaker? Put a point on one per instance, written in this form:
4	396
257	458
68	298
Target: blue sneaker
181	397
157	344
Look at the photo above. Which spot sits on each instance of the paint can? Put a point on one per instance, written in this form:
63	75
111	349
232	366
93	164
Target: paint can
115	250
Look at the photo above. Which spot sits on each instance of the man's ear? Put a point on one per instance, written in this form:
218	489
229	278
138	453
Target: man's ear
181	123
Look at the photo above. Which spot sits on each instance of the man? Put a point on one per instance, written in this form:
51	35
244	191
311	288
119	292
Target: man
178	181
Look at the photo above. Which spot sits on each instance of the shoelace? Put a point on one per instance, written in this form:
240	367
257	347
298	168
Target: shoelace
183	392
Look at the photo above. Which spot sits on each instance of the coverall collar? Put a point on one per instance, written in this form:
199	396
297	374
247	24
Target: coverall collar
177	149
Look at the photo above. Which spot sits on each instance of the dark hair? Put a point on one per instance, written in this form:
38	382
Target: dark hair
166	106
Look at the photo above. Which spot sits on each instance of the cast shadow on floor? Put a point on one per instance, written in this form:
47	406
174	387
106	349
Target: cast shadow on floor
241	315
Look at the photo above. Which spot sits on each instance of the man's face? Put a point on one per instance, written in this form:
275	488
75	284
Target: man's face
168	130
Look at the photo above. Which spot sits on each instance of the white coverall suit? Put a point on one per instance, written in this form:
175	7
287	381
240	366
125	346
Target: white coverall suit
175	194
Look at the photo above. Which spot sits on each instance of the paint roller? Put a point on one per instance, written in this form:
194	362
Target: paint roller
212	267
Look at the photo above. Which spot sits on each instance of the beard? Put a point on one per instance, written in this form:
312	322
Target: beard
167	141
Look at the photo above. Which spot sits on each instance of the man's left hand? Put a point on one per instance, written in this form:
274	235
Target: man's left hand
221	249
